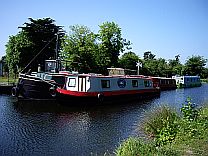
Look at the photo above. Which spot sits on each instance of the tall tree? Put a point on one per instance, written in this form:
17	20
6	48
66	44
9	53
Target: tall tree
129	60
79	48
111	44
42	32
175	67
195	65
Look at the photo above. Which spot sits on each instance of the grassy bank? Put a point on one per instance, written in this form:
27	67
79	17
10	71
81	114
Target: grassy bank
171	133
6	80
204	80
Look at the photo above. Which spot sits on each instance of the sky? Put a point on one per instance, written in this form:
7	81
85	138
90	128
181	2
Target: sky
164	27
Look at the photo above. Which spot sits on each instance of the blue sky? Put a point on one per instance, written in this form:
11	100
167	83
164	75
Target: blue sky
164	27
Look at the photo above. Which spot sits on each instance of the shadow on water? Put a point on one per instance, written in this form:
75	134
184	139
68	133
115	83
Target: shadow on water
53	106
60	129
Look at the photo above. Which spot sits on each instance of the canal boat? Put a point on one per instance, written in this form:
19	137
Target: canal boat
100	88
37	85
187	81
72	86
164	83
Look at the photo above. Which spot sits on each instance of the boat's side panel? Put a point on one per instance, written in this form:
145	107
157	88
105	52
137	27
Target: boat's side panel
104	84
107	89
73	97
34	88
164	83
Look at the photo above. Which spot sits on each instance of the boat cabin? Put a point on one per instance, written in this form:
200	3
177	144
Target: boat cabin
94	83
164	83
187	81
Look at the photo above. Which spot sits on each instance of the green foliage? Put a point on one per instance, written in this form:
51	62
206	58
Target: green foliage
139	147
149	56
204	80
155	67
195	65
133	146
24	46
162	125
129	60
79	48
17	51
172	135
86	50
189	110
204	73
193	134
111	44
42	32
159	67
175	66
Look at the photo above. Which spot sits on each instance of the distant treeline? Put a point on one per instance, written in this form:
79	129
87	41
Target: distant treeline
89	52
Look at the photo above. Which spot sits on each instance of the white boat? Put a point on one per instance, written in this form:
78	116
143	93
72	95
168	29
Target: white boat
187	81
100	88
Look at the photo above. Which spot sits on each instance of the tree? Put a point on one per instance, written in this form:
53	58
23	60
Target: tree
129	60
154	67
175	67
148	64
17	52
79	48
195	65
149	55
204	74
42	32
111	45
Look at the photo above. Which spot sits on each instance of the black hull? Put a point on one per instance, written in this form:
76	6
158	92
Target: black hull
29	88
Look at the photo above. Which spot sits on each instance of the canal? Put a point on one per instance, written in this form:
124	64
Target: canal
48	128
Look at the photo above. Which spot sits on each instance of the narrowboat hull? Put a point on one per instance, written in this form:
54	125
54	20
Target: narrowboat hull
33	88
71	97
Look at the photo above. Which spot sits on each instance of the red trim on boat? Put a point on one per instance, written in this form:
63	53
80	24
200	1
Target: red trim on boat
106	93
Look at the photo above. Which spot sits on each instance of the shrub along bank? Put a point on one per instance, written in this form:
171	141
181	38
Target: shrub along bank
170	133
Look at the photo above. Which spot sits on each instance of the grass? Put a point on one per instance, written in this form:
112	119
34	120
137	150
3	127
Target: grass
5	80
138	147
170	133
204	80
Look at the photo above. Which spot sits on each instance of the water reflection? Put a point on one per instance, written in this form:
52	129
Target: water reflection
48	128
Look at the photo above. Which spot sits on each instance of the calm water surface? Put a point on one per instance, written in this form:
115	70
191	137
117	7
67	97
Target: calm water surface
47	128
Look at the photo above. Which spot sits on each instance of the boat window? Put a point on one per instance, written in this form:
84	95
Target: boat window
71	82
134	83
146	83
141	82
105	83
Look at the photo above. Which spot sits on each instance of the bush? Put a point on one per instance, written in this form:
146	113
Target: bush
138	147
189	110
162	125
170	134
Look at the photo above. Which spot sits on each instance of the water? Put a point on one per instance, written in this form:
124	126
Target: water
47	128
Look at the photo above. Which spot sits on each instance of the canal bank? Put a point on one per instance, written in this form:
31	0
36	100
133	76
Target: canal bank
53	129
